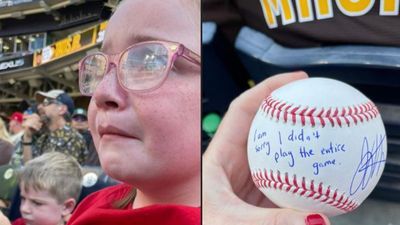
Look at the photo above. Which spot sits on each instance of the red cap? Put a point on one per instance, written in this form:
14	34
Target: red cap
17	116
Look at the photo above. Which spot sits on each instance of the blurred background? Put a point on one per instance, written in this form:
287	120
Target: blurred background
238	52
41	43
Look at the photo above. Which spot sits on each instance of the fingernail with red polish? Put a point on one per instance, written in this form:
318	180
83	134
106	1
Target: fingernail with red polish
315	219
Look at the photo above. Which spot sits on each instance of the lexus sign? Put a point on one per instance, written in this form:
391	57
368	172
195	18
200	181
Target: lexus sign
16	63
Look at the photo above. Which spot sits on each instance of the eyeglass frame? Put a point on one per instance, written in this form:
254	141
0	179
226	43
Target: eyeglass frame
79	118
175	50
49	101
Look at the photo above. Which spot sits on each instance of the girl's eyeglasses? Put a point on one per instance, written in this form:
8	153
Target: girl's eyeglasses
141	67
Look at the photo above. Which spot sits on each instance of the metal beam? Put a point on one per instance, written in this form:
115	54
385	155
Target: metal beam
12	92
11	100
67	83
53	77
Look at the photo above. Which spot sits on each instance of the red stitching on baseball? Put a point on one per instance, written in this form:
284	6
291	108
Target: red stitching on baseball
266	179
281	110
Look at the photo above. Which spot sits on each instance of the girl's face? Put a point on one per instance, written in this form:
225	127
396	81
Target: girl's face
153	138
40	208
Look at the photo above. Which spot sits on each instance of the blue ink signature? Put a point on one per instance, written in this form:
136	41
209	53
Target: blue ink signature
372	157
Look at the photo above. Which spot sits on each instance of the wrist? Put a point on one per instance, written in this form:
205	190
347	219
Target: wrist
26	139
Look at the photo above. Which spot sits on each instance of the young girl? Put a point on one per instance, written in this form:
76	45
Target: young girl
144	115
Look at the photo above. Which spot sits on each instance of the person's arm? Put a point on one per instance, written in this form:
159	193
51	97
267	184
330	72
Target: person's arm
26	149
229	194
4	220
31	125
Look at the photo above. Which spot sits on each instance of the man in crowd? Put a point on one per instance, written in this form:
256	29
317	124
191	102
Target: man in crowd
55	108
80	122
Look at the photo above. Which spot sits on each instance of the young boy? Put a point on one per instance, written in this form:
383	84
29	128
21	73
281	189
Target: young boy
50	186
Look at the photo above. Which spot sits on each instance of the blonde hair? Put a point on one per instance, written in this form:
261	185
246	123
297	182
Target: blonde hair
3	131
55	172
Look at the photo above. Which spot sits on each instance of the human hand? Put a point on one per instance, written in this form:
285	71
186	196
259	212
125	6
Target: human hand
31	124
229	194
4	220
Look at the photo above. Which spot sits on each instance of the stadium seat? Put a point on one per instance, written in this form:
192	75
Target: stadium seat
94	179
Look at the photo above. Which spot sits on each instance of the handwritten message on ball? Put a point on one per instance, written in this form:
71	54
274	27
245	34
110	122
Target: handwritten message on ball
324	155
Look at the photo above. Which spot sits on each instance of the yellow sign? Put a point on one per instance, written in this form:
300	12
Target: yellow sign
70	45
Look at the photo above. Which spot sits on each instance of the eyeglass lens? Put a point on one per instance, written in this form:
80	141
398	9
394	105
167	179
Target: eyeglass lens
92	71
140	67
47	101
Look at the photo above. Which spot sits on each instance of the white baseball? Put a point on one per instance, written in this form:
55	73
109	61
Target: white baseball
317	145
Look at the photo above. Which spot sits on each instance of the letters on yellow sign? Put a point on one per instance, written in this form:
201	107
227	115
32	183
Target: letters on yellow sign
62	47
67	46
323	9
76	42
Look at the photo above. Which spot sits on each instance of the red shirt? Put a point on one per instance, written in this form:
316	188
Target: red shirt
19	221
97	209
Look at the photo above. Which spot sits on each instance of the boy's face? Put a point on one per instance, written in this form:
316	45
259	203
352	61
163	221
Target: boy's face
14	126
40	208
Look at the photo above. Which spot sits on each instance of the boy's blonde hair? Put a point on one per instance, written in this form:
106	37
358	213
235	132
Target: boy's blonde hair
55	172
